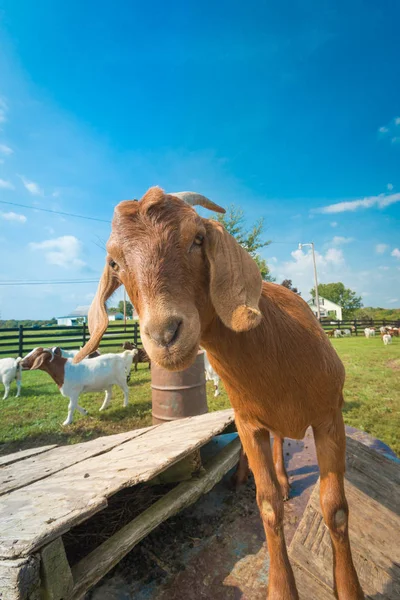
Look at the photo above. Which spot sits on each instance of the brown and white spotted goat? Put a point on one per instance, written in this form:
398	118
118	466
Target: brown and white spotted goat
192	283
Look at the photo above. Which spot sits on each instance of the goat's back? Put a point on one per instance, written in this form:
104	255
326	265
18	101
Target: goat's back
8	364
285	371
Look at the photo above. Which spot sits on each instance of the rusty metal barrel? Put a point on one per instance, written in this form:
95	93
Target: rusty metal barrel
178	394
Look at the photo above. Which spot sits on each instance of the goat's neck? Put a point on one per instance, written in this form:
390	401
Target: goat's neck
55	369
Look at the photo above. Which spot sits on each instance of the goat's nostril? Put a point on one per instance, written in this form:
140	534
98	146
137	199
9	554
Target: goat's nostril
164	335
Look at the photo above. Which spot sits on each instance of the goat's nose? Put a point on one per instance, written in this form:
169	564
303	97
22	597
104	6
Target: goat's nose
166	333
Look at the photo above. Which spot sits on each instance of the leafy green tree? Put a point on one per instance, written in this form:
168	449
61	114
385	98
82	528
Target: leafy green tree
287	283
129	308
251	239
345	297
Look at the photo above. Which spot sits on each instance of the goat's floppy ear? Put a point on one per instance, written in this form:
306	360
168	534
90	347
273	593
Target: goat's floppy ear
97	317
235	280
40	360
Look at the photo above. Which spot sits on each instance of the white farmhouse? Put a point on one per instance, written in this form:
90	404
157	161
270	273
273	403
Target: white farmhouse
327	308
76	317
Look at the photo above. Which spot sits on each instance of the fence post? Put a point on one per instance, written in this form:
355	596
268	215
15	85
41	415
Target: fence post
135	333
84	333
355	327
21	341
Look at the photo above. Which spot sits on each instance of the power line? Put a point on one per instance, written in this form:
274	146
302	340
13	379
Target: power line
55	212
65	214
48	282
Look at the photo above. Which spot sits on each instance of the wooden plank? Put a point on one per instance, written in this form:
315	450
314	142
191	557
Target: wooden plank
34	515
20	579
180	471
94	566
56	576
310	588
15	476
374	526
8	459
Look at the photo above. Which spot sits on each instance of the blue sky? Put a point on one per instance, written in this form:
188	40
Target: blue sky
291	111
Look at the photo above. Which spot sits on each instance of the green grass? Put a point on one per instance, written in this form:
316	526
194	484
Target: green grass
372	395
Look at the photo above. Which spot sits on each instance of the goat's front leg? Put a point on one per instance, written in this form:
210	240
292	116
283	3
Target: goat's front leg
17	395
280	468
242	471
330	441
256	445
73	404
107	399
125	389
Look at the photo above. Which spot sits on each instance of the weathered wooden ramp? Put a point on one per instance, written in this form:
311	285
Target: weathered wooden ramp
43	494
372	489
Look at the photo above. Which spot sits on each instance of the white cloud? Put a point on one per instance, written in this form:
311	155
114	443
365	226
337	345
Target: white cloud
301	271
3	110
390	130
383	268
12	216
393	300
63	251
273	259
396	253
6	185
338	240
381	248
6	150
390	186
334	224
31	186
381	201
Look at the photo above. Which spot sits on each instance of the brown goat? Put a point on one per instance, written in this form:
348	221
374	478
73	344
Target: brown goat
141	356
193	284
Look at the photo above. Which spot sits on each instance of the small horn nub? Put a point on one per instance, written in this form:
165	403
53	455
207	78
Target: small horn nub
195	199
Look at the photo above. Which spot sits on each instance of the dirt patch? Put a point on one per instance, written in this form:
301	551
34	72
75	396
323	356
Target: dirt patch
394	364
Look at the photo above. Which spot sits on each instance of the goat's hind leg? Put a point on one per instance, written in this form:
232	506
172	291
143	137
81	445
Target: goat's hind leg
280	468
256	445
330	441
6	390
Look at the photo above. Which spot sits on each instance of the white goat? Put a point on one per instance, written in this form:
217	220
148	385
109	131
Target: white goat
369	332
382	330
10	369
337	333
211	375
95	375
72	353
387	339
347	332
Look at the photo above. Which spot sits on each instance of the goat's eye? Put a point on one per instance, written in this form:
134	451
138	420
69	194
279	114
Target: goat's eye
199	239
113	264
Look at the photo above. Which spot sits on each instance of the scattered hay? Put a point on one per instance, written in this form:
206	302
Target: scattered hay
122	508
394	364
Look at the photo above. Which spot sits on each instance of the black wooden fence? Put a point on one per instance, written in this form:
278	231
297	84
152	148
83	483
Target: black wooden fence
357	326
18	341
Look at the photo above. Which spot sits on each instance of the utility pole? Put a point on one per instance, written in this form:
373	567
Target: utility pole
315	277
125	308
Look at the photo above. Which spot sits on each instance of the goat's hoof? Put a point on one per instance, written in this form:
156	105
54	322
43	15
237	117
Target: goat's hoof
67	423
285	489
